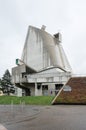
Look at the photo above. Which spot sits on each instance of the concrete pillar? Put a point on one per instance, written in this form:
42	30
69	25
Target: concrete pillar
38	89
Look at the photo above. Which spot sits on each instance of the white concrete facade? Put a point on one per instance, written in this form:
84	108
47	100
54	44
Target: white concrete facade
43	61
42	50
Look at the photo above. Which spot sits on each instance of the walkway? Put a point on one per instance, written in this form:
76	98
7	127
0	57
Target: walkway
61	117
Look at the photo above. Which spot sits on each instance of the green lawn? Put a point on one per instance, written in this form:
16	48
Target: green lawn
32	100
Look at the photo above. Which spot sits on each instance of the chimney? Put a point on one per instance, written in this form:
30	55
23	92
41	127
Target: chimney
43	27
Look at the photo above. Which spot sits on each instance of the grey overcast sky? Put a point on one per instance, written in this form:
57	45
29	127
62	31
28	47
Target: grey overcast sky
66	16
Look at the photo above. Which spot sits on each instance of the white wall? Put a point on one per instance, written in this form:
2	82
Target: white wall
38	92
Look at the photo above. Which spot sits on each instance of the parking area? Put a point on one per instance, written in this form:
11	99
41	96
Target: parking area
59	117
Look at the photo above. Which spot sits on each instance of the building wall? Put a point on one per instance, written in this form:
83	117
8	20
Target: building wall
51	89
38	89
33	49
42	50
73	92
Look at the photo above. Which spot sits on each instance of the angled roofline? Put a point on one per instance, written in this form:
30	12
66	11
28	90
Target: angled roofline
52	67
30	26
33	70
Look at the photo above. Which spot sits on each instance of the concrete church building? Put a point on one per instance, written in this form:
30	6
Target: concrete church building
43	68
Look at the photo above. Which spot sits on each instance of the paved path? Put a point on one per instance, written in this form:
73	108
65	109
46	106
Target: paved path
61	117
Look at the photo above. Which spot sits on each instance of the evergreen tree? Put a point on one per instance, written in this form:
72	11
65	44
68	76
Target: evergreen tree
6	83
0	84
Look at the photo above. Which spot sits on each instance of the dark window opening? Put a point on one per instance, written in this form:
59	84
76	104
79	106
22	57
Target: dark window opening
58	87
38	86
45	87
27	92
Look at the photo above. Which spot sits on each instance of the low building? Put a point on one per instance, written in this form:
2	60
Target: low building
73	92
43	68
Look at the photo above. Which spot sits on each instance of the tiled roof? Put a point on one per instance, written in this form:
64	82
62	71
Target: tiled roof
75	95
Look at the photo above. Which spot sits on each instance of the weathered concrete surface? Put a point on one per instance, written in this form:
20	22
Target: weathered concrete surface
62	117
2	127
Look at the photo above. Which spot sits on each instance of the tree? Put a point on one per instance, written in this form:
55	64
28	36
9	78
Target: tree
0	84
6	83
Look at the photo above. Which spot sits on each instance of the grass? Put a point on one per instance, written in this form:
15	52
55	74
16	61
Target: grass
29	100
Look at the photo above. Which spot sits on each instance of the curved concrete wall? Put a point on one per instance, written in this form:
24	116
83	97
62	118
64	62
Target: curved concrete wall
42	50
